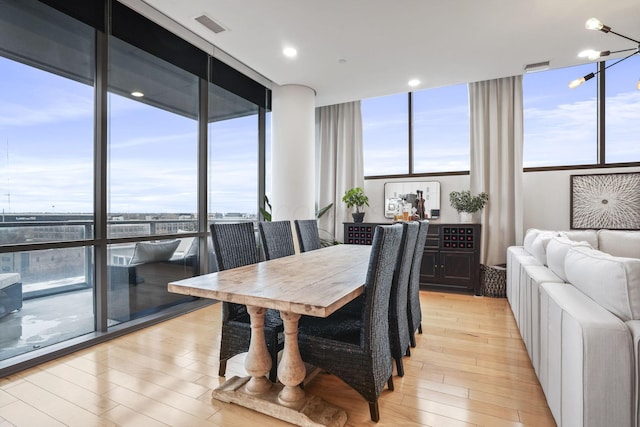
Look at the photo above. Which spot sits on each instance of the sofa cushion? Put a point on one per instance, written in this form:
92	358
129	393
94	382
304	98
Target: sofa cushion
557	249
539	245
529	237
153	251
612	282
620	243
589	236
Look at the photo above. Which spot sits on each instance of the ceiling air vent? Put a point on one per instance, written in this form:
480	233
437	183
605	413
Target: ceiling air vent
210	24
538	66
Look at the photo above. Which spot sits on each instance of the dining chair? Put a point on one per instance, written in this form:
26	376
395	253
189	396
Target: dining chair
308	234
399	333
235	246
356	349
414	310
277	239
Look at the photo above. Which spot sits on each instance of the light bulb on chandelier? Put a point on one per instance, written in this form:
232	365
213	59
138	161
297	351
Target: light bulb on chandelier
592	55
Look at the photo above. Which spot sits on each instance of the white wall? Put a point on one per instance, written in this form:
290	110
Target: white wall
546	196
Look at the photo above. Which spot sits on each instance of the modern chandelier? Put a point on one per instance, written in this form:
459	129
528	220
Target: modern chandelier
595	24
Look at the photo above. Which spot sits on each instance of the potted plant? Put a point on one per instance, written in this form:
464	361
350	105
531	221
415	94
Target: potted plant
466	204
356	197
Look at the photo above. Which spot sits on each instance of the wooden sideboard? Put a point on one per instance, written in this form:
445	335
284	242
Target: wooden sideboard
359	233
451	258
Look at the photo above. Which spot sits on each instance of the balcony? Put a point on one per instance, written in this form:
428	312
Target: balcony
54	256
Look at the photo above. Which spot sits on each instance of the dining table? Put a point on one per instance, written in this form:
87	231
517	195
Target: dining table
314	283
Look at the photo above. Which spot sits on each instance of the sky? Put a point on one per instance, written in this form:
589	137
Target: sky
46	140
560	124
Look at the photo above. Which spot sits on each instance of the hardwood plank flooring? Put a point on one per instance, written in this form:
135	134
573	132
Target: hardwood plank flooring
470	368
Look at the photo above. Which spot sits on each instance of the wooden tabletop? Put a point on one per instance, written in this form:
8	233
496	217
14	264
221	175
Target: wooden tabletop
314	283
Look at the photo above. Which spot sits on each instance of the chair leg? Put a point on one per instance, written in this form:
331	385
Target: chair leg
273	373
399	367
408	352
412	340
420	328
375	413
222	369
390	383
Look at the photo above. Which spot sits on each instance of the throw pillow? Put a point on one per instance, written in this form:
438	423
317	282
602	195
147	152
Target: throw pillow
153	251
557	249
589	236
539	246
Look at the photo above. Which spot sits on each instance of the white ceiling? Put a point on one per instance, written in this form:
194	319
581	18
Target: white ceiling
386	43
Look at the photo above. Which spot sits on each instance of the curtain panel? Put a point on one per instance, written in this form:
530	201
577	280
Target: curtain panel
339	163
496	162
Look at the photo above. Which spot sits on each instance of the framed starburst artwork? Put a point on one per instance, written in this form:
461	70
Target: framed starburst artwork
605	201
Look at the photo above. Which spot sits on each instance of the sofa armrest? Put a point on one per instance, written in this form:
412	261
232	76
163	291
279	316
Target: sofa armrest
587	360
121	275
634	327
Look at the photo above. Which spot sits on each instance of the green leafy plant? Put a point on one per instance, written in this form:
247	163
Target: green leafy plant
355	197
463	201
266	214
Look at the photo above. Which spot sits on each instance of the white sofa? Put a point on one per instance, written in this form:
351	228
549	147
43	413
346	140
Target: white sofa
575	296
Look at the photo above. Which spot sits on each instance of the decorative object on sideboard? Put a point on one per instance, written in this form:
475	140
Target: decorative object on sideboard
466	204
605	201
595	24
397	194
356	197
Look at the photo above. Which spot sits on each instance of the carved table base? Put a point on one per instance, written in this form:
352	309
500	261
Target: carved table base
286	401
310	411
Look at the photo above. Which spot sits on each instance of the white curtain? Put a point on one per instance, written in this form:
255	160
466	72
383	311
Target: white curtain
496	162
339	163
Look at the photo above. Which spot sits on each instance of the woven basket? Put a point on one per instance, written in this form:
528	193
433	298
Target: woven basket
493	280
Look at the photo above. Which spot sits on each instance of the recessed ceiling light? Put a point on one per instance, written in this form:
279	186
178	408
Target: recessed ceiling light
414	82
290	52
137	94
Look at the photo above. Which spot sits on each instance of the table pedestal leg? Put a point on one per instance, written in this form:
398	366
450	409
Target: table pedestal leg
286	401
291	370
258	362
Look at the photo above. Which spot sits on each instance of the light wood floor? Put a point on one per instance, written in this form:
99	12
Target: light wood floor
470	368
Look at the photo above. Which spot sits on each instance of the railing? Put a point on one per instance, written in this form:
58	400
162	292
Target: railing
54	253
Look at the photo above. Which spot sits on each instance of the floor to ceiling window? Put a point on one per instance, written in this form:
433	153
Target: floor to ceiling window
46	176
152	179
102	171
233	156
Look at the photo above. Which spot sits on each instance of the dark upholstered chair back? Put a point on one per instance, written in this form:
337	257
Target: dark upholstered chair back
382	263
413	304
398	319
356	348
308	234
277	239
234	244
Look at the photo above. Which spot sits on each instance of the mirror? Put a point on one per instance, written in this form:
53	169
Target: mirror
397	192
